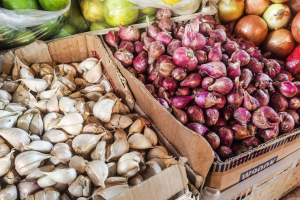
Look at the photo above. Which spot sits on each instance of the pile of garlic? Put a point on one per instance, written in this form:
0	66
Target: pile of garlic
65	135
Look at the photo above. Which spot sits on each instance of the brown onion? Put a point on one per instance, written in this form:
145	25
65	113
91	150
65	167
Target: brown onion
230	10
256	7
296	28
294	6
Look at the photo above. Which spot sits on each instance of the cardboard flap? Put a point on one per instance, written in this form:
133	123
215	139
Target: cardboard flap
159	187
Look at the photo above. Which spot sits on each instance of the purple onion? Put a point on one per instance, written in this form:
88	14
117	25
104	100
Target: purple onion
138	46
174	44
193	80
242	116
226	136
198	128
234	70
180	102
224	153
183	91
246	77
140	63
206	82
215	54
201	56
127	45
207	99
214	69
255	66
179	74
287	123
185	58
180	115
213	140
211	116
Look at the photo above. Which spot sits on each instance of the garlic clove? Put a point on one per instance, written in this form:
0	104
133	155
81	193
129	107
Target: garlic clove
64	196
128	168
56	136
9	122
46	181
80	83
16	137
83	109
5	96
92	119
46	95
9	86
63	175
4	150
92	128
75	95
40	195
134	155
120	134
94	74
68	69
49	79
118	121
110	192
153	168
106	84
14	107
39	172
90	105
61	153
99	152
121	108
52	105
36	85
93	96
45	69
40	145
158	152
34	137
97	171
136	127
69	119
137	179
93	88
76	66
84	144
112	169
68	80
160	162
26	74
12	177
139	141
88	63
36	125
47	119
150	135
52	193
41	105
24	121
116	150
9	193
103	109
27	188
21	95
67	104
81	187
78	163
113	181
72	129
108	138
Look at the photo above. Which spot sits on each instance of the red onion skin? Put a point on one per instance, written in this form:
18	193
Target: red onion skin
287	73
195	23
142	78
205	28
206	82
162	93
210	42
138	46
238	149
262	81
195	114
230	47
220	123
180	115
140	63
242	116
242	45
166	24
226	136
234	70
158	82
224	153
240	132
286	88
162	58
297	84
225	59
192	80
201	56
174	44
170	84
214	69
208	18
179	74
255	66
265	117
268	134
287	123
261	97
236	95
226	112
124	56
278	102
185	58
246	77
191	39
272	68
180	102
163	14
207	99
164	37
249	45
251	89
293	67
218	35
216	53
164	103
251	142
217	158
147	43
183	91
152	76
294	114
254	53
222	85
156	49
250	102
151	88
112	38
222	103
198	128
241	56
127	45
211	116
281	78
294	103
197	91
152	30
165	68
130	33
179	30
213	140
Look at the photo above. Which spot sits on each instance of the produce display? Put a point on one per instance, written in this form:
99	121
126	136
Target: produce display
66	135
221	87
18	27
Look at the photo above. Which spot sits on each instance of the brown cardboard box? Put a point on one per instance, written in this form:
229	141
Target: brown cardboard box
171	182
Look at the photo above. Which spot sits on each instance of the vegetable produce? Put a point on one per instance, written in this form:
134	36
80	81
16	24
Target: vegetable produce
256	7
296	28
294	5
277	16
230	10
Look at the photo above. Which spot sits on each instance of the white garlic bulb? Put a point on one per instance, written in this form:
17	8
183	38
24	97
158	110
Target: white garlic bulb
97	171
40	145
18	138
61	153
63	175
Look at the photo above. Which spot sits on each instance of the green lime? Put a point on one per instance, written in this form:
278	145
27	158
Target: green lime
48	30
143	19
6	34
99	26
149	11
66	30
21	38
53	5
20	4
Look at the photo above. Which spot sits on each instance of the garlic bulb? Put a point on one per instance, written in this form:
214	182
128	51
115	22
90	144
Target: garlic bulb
103	109
116	150
118	121
99	152
40	145
36	85
112	169
67	105
81	187
49	120
4	150
14	107
39	172
150	135
5	97
56	136
128	165
97	171
16	137
137	179
27	188
60	153
93	128
9	193
12	177
84	144
139	141
63	175
78	163
28	161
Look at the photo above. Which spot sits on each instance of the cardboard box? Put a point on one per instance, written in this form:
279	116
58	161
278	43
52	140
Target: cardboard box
172	182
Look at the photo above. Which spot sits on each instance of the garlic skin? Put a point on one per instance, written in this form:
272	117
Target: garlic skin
6	163
118	121
94	74
97	171
28	161
10	86
39	172
81	187
93	128
110	192
9	193
139	141
120	134
40	145
158	152
78	163
136	127
12	177
116	150
63	175
99	152
27	188
60	153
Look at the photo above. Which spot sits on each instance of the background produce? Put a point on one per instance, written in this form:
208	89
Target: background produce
83	140
26	27
221	87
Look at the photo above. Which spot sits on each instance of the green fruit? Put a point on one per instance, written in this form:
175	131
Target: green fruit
21	38
99	26
92	10
120	12
143	20
149	11
53	5
79	23
66	30
48	30
20	4
6	35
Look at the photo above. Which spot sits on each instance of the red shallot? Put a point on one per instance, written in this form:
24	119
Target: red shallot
179	74
287	122
272	68
191	39
180	115
112	38
262	81
230	47
213	140
156	49
250	102
195	114
193	80
255	66
138	46
174	44
216	53
164	37
198	128
242	116
185	58
184	91
265	117
226	136
166	24
164	103
225	153
211	116
294	114
206	82
201	56
140	63
262	97
130	33
227	112
240	132
251	142
222	85
207	99
163	13
214	69
294	103
278	102
268	134
124	56
240	55
236	95
234	70
286	88
246	77
165	68
180	102
152	30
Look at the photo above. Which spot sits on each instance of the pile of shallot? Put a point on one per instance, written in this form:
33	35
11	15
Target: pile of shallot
222	88
65	135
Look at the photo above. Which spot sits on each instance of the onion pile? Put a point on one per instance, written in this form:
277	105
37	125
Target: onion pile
222	88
